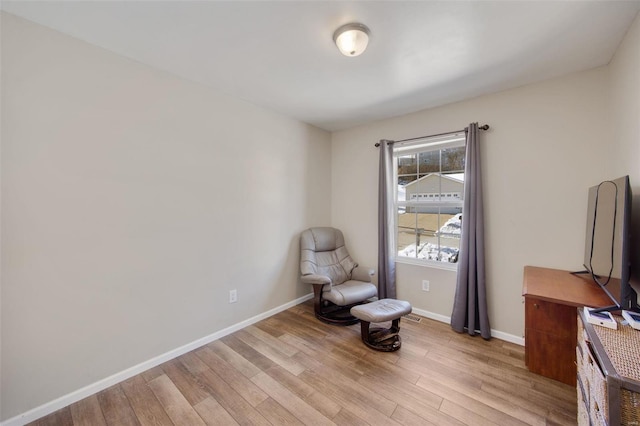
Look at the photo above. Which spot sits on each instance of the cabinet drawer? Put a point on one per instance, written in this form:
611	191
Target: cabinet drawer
551	356
548	317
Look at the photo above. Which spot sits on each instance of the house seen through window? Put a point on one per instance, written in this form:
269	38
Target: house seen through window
429	198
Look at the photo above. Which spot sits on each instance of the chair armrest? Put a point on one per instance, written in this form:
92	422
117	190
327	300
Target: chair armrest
362	273
315	279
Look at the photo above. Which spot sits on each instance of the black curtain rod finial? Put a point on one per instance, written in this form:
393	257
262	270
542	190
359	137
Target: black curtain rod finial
377	144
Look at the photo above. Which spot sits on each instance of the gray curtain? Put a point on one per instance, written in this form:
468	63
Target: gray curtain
470	303
386	256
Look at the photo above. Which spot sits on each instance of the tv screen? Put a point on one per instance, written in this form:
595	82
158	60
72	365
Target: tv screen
608	241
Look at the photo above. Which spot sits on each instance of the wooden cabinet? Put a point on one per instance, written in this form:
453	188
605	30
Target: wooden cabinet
551	298
608	383
549	348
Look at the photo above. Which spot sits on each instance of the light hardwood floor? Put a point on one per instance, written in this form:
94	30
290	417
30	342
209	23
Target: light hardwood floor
291	369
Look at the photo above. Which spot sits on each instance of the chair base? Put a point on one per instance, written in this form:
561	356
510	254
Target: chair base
331	313
381	339
337	315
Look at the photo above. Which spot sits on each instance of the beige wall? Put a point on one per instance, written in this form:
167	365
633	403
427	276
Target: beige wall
625	93
541	154
132	202
625	140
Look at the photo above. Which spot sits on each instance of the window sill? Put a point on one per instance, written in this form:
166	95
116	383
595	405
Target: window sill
428	264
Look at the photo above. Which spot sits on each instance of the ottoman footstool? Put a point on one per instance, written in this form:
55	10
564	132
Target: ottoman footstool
381	339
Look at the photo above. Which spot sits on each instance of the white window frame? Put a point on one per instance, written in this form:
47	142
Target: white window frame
453	140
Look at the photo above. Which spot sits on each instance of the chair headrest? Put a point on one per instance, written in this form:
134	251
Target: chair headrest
321	239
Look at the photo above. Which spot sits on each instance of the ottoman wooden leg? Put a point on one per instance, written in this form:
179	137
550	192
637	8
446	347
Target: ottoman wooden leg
364	331
381	339
395	326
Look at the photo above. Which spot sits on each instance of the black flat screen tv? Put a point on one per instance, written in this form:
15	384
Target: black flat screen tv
607	254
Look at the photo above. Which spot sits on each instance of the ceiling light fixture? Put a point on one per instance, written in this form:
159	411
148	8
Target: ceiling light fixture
352	39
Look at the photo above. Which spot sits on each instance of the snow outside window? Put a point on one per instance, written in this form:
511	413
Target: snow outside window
429	199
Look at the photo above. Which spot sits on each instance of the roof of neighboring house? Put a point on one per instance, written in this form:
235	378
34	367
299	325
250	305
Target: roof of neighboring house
455	177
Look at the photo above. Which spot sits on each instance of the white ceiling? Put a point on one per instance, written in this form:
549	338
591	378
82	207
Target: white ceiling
281	55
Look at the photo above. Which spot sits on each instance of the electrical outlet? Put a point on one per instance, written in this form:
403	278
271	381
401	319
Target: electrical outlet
425	285
233	296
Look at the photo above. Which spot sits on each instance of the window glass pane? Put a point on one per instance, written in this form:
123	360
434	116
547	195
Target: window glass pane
452	187
429	161
403	180
406	236
426	188
453	159
435	237
407	169
417	232
448	244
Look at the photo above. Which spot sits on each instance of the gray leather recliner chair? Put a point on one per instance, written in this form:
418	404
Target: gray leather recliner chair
338	282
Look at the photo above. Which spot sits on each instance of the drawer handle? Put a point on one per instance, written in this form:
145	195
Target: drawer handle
535	305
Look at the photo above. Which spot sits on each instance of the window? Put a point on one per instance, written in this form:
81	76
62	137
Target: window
429	198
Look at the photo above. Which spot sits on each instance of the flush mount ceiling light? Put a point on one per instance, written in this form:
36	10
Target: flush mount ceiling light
352	39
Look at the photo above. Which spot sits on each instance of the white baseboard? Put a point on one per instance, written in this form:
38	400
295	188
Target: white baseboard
507	337
494	333
103	384
431	315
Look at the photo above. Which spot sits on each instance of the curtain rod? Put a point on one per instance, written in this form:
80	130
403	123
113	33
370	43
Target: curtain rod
483	127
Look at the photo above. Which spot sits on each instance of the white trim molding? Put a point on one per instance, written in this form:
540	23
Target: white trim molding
75	396
447	266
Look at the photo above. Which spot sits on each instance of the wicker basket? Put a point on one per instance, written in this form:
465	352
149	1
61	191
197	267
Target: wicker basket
597	415
629	407
598	386
620	352
583	402
583	375
622	347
